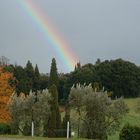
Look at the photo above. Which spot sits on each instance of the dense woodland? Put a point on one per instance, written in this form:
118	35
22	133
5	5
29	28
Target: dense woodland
120	77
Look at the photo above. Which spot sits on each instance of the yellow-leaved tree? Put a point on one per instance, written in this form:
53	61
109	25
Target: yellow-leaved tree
6	91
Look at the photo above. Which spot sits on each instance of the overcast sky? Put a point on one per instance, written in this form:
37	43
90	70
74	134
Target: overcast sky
105	29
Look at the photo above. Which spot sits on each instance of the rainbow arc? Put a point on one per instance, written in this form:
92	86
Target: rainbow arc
60	47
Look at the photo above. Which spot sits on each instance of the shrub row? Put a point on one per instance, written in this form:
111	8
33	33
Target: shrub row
5	128
130	133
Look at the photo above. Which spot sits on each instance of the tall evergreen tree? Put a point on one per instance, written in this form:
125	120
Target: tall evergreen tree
36	82
29	69
78	66
53	74
54	122
30	74
37	74
44	81
66	119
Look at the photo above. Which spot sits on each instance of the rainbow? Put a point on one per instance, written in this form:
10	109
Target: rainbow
64	53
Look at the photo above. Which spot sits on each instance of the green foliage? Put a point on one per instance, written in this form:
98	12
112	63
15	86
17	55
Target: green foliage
82	75
37	74
29	69
29	78
9	68
85	74
66	117
22	80
44	81
61	88
25	109
133	118
5	129
30	75
53	80
54	122
36	81
119	76
130	133
54	95
78	66
19	137
97	114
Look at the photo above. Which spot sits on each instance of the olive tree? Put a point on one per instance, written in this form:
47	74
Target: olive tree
99	116
34	107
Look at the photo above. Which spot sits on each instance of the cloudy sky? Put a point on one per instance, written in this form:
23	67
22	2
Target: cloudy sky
105	29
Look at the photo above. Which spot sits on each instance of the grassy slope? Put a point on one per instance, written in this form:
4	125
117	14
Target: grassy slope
132	117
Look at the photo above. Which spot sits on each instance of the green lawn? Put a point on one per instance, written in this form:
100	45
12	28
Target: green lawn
132	117
34	138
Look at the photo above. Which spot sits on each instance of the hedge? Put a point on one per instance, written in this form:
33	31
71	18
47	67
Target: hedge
5	128
129	132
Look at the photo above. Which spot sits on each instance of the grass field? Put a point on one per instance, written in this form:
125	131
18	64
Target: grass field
13	137
132	118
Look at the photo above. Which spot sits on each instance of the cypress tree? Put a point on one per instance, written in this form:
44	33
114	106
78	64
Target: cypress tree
53	74
29	70
37	74
36	82
30	75
66	119
54	122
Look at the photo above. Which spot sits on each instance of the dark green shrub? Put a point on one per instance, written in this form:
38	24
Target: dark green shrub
58	133
14	129
130	133
27	130
5	128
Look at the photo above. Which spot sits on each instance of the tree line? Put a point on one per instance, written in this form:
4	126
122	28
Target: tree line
120	77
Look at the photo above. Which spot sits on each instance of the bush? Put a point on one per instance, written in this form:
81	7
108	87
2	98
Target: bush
59	133
130	133
5	128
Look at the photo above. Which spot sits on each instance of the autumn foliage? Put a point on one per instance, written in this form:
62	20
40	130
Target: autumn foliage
6	91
